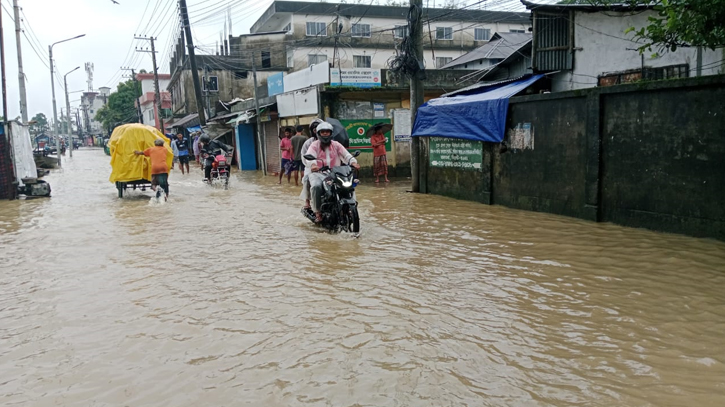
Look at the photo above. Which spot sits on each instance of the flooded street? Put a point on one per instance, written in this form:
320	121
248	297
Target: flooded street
229	298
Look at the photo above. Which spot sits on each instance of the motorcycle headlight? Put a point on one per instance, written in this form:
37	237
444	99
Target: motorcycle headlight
346	183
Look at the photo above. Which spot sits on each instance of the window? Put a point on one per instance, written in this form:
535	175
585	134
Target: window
444	33
313	59
667	72
553	50
361	61
442	61
91	110
518	31
400	31
241	74
495	61
288	28
210	84
315	29
361	30
481	34
266	59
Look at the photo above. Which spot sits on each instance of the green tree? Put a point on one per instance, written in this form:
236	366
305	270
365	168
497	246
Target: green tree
121	108
40	125
677	23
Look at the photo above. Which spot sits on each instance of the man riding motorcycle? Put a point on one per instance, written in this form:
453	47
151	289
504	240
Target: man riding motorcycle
329	153
210	149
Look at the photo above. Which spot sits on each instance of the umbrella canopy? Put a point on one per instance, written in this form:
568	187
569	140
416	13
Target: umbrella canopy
339	133
386	127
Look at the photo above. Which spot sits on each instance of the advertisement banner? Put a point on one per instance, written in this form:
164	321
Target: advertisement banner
275	84
355	77
357	131
456	153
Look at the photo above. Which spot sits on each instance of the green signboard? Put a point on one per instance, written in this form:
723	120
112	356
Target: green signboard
456	153
357	131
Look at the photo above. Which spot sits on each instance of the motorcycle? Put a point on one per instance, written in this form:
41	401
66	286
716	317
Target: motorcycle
220	167
339	207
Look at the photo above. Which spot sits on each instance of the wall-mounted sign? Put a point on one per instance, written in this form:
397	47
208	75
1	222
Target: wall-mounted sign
456	153
378	110
357	131
275	84
401	125
355	77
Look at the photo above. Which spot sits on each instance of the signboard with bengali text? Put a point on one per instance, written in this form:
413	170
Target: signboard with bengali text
357	131
355	77
456	153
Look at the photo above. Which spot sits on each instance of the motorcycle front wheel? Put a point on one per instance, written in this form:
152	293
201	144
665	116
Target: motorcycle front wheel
351	220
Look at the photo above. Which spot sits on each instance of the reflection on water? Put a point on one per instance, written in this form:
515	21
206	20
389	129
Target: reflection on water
231	297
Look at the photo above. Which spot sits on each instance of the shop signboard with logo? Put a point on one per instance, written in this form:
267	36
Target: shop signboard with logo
355	77
357	131
275	84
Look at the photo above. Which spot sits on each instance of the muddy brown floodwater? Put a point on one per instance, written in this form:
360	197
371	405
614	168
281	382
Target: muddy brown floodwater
231	298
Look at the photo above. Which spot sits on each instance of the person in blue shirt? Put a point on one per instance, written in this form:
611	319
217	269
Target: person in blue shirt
180	145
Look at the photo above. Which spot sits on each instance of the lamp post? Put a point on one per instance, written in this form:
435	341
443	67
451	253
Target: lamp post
52	88
67	111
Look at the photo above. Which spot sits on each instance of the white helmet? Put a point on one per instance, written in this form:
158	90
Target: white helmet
320	128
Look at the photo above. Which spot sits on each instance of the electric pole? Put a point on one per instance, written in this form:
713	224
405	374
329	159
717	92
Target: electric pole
416	87
7	170
260	139
21	75
192	60
138	102
156	81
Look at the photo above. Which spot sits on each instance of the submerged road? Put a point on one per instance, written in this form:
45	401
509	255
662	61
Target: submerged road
231	298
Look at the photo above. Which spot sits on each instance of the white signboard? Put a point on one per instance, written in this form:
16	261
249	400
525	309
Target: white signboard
298	103
401	125
314	75
355	77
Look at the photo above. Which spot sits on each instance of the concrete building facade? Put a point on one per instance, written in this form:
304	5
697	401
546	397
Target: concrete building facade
591	46
147	101
363	36
91	102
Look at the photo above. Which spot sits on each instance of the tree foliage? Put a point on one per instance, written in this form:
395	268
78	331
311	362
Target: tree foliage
677	23
121	108
40	125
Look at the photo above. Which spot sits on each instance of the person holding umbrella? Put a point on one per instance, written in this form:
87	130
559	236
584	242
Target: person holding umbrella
380	157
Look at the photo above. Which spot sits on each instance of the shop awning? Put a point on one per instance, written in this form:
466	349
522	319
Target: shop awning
186	119
478	117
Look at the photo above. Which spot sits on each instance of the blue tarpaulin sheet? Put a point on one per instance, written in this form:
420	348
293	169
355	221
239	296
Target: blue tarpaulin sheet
477	117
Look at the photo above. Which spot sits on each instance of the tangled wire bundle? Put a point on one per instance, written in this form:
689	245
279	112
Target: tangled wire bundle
406	62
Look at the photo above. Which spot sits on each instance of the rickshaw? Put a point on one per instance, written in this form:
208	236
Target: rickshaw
130	171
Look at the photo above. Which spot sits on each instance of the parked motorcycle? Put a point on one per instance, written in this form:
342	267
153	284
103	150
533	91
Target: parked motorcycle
339	207
220	168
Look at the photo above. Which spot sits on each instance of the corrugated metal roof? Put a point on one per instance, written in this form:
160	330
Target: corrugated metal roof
500	47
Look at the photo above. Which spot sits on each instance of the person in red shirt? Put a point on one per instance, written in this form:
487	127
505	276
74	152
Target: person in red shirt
380	158
285	146
159	169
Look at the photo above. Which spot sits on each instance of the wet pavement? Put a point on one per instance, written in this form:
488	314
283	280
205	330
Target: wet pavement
231	298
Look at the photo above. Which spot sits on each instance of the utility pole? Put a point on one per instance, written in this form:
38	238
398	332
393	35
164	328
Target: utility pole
260	139
156	81
7	170
138	102
21	75
192	60
337	35
416	88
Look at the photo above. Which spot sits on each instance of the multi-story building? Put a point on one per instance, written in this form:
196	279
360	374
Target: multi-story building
365	36
147	101
91	102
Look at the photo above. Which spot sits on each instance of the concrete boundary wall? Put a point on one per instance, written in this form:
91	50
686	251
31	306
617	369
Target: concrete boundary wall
644	155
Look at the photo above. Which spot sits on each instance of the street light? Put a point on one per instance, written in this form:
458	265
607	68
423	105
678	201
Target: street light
67	111
52	88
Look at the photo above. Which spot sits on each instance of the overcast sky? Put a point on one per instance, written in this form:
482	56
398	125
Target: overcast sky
109	42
